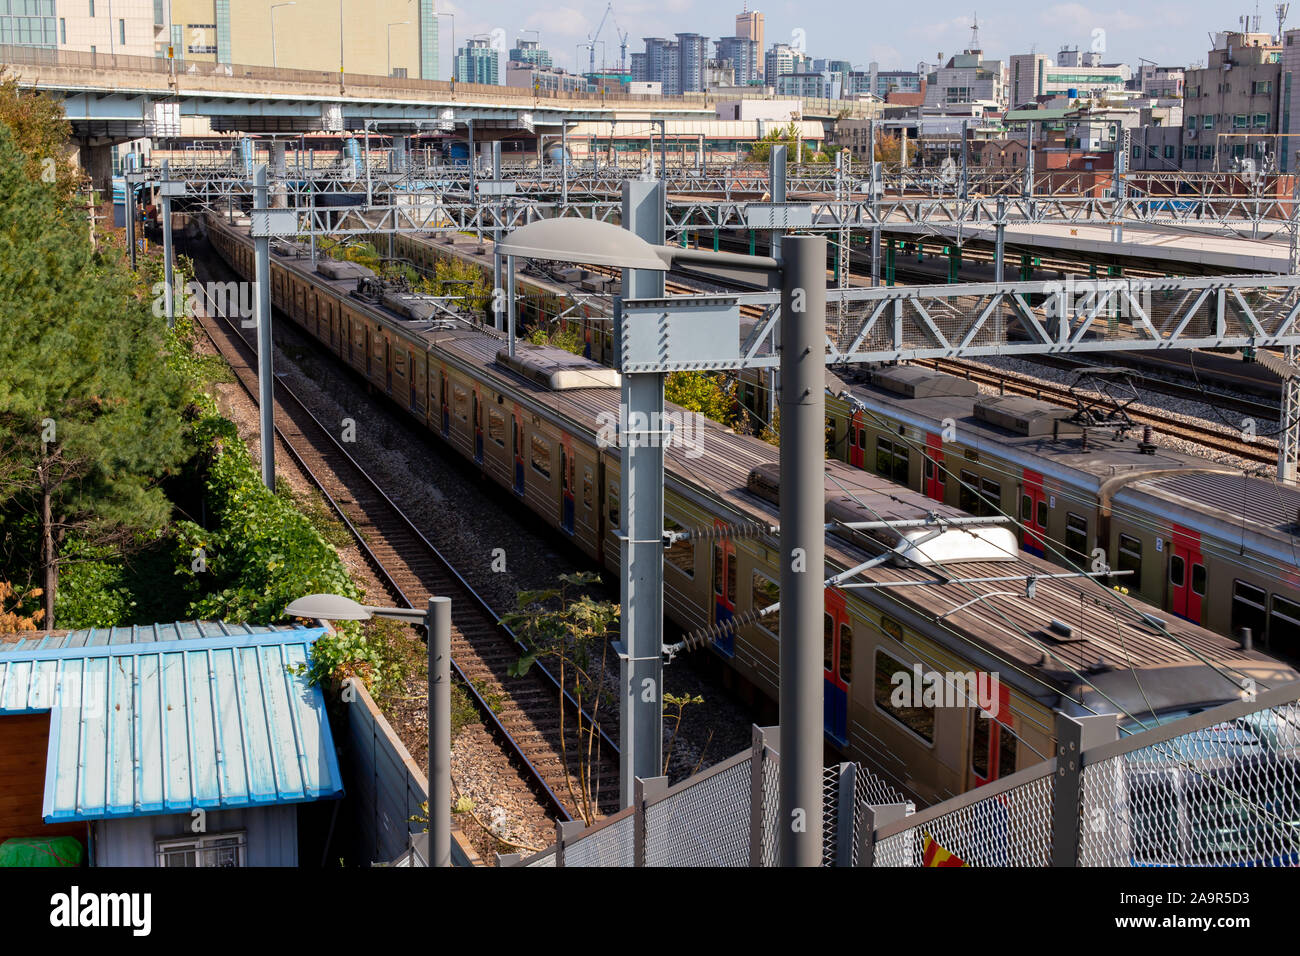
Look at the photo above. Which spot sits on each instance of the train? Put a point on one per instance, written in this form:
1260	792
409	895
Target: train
1205	542
1220	546
947	659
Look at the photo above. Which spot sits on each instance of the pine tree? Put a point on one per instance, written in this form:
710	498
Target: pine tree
90	414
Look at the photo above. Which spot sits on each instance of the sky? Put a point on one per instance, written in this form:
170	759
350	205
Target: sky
1172	33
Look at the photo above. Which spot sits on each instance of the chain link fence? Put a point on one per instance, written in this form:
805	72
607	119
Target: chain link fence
1216	788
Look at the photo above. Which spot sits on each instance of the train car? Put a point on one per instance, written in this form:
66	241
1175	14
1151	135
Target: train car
1198	539
938	677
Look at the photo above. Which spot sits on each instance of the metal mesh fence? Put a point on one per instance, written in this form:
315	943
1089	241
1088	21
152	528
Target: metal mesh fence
703	825
611	845
1225	795
771	808
1013	828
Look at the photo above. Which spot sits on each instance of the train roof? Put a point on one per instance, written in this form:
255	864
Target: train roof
1046	641
1232	500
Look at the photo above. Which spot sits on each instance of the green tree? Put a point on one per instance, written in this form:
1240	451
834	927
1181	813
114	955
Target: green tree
90	411
41	132
706	393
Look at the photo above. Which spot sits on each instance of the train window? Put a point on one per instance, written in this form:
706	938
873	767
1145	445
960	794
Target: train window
1042	515
682	554
497	427
991	493
588	487
611	504
893	696
862	438
892	628
1006	751
846	653
1177	571
460	397
1026	512
828	641
979	755
968	499
764	592
1249	609
1076	533
541	456
891	460
1284	627
1130	559
1198	579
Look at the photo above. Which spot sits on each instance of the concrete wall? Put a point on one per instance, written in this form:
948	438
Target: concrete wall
271	833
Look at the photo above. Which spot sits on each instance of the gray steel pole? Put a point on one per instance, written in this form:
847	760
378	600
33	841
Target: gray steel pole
169	277
1029	158
130	216
965	182
512	314
641	505
564	162
438	632
803	546
469	126
265	359
776	172
1000	251
498	319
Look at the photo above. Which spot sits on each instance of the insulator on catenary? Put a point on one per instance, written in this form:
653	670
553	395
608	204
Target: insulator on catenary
745	529
697	639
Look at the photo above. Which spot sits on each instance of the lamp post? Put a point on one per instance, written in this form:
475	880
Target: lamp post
436	618
274	7
395	23
802	273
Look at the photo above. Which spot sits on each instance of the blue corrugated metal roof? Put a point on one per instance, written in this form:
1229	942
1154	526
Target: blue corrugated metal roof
167	718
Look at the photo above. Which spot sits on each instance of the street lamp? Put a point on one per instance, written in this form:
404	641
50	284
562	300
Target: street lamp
802	273
436	619
396	23
274	6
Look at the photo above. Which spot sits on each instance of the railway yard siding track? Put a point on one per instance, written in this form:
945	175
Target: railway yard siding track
524	714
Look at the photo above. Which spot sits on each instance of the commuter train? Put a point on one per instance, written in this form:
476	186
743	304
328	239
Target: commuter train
936	677
1202	541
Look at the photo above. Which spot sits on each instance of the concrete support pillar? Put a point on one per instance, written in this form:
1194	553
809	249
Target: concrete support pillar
97	162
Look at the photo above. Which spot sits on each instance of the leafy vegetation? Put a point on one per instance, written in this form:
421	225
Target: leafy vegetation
710	394
789	137
571	633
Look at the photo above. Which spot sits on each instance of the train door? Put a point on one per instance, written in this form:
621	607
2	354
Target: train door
857	440
517	440
1033	513
837	644
369	352
936	479
388	366
724	590
1187	574
478	430
442	403
567	467
993	745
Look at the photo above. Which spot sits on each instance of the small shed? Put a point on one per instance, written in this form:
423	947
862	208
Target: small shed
187	744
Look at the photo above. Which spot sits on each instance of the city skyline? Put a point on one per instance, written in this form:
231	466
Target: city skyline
1169	35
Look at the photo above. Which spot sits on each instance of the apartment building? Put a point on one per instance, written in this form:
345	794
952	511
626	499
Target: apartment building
400	37
749	26
1231	107
1073	74
967	78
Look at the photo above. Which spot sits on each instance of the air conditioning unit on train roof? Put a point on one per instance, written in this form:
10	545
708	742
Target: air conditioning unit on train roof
556	369
1025	416
855	496
912	381
338	269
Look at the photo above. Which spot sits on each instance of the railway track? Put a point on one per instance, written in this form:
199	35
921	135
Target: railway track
522	713
1059	394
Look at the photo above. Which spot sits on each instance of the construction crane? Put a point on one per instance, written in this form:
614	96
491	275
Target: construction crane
593	38
622	43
